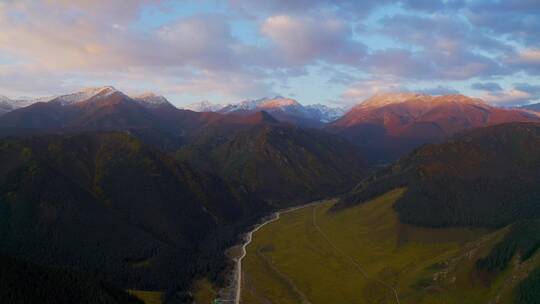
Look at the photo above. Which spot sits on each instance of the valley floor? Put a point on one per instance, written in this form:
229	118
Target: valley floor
365	255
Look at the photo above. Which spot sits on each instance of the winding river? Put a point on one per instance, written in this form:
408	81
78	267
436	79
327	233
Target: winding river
247	240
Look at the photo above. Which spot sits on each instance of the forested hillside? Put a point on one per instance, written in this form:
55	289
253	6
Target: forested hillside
282	163
485	177
105	203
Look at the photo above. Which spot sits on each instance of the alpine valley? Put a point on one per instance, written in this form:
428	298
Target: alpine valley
123	199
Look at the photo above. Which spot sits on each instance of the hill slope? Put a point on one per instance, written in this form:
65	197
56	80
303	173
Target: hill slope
105	203
282	163
485	177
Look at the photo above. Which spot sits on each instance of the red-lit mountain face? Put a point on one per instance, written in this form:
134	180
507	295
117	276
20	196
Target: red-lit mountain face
387	126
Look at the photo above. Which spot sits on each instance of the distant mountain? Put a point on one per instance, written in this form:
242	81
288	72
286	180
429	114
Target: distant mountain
387	126
532	107
106	204
286	110
484	177
281	163
150	117
203	106
325	113
152	100
8	105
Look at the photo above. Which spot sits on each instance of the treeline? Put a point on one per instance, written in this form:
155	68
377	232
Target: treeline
108	205
528	290
523	239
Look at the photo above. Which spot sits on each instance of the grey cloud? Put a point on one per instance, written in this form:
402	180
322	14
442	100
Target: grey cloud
487	86
529	88
516	20
433	5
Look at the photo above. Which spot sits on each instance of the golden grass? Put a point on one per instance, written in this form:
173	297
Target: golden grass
292	261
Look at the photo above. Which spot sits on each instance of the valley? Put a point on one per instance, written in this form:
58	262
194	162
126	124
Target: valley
179	206
365	255
270	152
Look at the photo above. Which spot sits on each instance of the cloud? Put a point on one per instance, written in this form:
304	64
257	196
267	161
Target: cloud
438	90
513	20
439	32
487	86
521	93
529	88
366	88
433	5
304	40
431	65
245	49
527	60
343	8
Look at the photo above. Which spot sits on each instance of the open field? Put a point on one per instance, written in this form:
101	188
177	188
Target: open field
364	255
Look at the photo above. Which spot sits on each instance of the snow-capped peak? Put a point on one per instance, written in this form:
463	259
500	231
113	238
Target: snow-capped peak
151	99
277	102
324	113
86	94
203	106
4	99
384	99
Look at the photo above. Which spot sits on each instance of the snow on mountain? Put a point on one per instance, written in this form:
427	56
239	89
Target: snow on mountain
85	94
384	99
151	100
203	106
267	104
281	105
324	113
8	104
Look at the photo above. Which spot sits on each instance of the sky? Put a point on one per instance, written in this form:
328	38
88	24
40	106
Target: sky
334	52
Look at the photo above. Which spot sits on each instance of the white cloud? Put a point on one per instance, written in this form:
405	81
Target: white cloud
307	39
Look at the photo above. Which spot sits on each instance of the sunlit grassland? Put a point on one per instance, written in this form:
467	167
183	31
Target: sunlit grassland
290	261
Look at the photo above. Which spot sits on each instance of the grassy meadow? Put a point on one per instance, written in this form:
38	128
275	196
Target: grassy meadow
364	254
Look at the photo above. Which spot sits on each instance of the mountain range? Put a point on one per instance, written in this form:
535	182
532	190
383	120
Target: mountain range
535	107
387	126
287	110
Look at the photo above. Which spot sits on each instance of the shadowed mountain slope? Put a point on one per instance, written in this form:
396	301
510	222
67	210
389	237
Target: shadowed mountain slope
484	177
105	203
282	163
